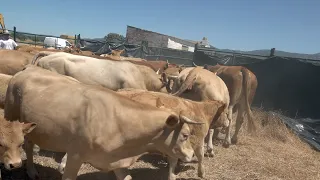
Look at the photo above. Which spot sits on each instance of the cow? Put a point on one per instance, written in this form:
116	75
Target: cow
4	80
202	85
109	74
88	123
242	85
207	112
12	61
11	141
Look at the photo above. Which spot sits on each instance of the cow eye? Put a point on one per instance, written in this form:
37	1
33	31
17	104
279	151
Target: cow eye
185	136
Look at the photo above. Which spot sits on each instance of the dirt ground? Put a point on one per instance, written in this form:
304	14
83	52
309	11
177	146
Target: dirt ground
272	153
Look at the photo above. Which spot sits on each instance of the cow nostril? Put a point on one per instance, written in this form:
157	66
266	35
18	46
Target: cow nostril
11	166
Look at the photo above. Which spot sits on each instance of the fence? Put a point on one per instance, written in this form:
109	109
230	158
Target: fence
34	39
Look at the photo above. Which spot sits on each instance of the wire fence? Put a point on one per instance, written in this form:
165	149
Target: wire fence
36	39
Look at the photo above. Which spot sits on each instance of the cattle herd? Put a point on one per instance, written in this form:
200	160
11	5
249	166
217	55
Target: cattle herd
109	110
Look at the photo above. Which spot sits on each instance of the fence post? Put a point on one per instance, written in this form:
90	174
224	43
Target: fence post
195	51
35	40
14	33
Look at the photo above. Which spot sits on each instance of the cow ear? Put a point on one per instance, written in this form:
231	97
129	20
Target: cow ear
163	77
28	127
172	121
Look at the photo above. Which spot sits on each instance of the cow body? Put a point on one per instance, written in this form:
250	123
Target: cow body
160	66
4	80
152	80
13	61
202	85
91	123
109	74
242	85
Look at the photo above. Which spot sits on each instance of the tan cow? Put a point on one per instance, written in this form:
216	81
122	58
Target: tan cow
242	85
12	61
109	74
4	80
207	112
202	85
11	142
92	124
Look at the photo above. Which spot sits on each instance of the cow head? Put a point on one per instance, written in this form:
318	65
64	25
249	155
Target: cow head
176	135
177	142
11	141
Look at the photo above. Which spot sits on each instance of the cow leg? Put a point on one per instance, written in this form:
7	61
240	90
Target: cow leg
209	143
72	166
199	153
122	174
227	140
62	165
31	170
172	166
215	139
239	122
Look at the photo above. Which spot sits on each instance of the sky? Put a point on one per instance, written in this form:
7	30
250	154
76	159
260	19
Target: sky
288	25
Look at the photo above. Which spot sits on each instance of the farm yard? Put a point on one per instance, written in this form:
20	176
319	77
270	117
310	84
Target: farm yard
275	151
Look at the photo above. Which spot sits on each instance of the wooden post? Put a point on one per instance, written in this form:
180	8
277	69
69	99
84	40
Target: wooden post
14	33
35	40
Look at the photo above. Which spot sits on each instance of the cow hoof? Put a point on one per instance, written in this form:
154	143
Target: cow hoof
234	140
210	154
226	144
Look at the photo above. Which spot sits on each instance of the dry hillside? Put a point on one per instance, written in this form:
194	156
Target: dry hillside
273	153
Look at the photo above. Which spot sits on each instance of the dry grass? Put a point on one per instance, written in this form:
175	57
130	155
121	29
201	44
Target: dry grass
273	153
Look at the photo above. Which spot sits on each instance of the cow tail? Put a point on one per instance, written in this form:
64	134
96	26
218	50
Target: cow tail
186	84
40	54
246	90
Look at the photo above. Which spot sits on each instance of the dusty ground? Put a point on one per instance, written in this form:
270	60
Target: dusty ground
273	153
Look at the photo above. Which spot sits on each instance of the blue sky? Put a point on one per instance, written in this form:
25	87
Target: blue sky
289	25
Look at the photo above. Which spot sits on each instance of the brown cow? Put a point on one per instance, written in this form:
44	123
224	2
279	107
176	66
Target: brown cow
89	124
242	85
202	85
13	61
11	141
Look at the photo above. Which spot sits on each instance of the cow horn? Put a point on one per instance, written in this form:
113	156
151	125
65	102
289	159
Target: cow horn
158	71
194	64
189	121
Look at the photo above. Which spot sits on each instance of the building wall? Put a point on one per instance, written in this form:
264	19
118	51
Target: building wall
136	36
